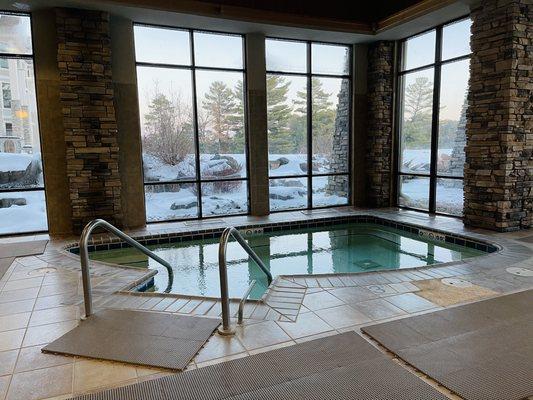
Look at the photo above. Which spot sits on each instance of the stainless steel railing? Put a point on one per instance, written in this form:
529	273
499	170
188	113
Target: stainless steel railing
226	329
84	258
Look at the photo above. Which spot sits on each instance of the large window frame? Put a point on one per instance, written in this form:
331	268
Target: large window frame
41	188
309	75
437	65
193	68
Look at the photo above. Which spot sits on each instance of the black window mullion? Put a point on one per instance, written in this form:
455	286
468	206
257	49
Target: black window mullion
309	129
435	123
195	125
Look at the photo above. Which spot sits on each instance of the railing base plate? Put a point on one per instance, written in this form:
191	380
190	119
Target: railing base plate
225	332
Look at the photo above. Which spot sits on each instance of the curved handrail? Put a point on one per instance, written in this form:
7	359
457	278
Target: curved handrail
84	258
224	293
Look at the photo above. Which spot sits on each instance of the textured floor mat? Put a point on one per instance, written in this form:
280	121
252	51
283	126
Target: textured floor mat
23	249
144	338
343	366
482	350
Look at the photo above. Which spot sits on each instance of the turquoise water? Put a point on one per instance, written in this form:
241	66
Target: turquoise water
336	249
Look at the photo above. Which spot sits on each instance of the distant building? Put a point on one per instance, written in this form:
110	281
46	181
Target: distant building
19	131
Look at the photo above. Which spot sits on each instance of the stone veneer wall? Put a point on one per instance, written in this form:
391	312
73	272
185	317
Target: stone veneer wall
498	169
338	184
379	128
91	135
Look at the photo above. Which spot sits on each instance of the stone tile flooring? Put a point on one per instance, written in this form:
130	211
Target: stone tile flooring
40	300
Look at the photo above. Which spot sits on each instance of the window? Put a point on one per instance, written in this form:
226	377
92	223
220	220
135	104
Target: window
191	100
22	198
6	94
433	85
308	106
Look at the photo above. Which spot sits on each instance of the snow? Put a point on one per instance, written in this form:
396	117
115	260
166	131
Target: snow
15	162
28	218
417	160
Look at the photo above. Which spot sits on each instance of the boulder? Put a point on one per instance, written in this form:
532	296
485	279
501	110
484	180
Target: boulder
12	201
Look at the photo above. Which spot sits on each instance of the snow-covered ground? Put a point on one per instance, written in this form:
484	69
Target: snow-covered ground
14	162
27	218
415	193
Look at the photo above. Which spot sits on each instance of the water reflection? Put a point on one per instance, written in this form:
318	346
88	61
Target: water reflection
342	249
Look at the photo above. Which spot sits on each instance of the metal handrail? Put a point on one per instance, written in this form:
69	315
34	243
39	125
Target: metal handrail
226	329
84	258
240	312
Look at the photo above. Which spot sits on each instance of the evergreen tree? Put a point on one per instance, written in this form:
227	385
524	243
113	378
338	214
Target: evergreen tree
168	129
418	103
221	109
239	141
279	115
323	116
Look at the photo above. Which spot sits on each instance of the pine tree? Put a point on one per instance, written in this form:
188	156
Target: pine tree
221	108
323	116
279	115
418	103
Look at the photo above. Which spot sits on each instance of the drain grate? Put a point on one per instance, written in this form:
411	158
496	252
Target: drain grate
520	271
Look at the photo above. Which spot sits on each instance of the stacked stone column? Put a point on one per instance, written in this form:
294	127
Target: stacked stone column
89	123
379	124
498	169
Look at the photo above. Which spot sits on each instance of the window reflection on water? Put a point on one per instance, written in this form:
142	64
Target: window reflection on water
343	249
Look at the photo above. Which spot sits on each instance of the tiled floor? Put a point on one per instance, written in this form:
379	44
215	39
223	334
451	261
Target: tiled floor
38	297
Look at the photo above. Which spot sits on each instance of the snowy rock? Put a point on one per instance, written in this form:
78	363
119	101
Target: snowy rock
183	206
12	201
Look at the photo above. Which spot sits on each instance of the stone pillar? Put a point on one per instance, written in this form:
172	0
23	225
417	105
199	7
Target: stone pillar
359	124
89	122
457	159
128	122
53	146
257	124
339	157
498	169
379	124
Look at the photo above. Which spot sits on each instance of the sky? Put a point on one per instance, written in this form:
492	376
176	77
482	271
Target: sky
226	51
420	51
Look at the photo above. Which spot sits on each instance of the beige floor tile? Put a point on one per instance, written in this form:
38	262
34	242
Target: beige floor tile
17	295
410	302
31	358
41	383
262	334
14	321
4	384
313	337
16	307
51	315
317	301
306	325
92	374
342	316
8	359
377	309
273	347
44	334
10	340
220	360
23	283
219	346
146	371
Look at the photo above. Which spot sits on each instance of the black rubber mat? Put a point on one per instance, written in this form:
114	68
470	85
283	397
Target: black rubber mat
144	338
5	263
343	366
22	249
480	351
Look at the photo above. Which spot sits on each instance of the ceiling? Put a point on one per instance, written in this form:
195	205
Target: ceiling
355	11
